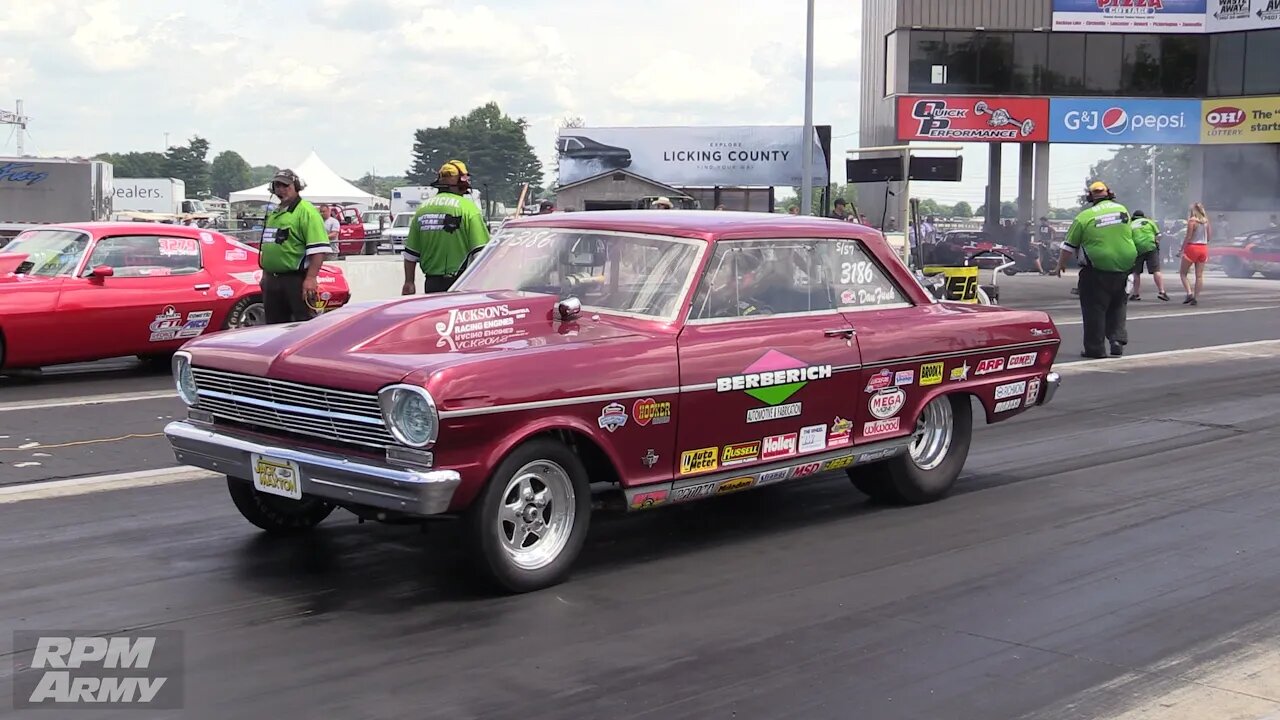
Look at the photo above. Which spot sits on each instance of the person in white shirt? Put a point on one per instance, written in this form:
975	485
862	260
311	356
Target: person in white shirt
332	226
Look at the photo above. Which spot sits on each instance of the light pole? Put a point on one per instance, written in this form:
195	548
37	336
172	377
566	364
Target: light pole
806	183
1152	212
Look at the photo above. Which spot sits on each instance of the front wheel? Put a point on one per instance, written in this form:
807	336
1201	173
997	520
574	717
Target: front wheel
529	524
933	461
277	515
248	312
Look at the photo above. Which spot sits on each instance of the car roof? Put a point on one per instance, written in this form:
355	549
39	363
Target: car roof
98	229
704	224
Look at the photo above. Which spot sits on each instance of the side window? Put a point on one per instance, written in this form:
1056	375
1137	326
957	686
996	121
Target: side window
147	255
765	277
859	281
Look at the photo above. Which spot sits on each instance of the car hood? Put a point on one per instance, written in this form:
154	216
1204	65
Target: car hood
366	346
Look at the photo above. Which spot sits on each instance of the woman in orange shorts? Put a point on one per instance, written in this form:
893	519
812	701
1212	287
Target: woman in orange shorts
1195	251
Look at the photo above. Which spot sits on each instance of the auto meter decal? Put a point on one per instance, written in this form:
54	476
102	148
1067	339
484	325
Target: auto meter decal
773	380
648	410
693	462
973	119
887	403
612	417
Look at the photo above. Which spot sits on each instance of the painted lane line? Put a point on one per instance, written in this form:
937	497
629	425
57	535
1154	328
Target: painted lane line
88	400
102	483
1158	316
1221	352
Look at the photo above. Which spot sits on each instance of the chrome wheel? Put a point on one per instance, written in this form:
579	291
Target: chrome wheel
252	315
537	513
934	432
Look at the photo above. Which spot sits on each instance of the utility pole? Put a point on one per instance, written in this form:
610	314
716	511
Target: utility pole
806	183
166	142
16	118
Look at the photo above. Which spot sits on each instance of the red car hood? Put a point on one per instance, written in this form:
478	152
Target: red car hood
366	346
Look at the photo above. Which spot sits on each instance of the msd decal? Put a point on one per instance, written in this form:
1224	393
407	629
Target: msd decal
779	446
806	469
990	365
973	119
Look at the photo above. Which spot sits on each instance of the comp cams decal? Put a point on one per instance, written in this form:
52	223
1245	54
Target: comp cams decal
612	417
170	325
648	410
693	462
1023	360
887	403
1004	392
773	380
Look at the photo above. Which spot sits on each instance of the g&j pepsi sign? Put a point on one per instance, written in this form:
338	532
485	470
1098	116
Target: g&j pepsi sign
1110	121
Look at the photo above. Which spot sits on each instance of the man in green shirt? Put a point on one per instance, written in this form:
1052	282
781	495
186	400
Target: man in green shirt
1103	237
1146	238
444	229
293	249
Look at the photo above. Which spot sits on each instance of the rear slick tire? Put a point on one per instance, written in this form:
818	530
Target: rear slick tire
277	515
927	472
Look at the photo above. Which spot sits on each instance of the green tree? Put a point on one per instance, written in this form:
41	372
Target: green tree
135	164
259	174
495	148
1128	172
228	173
187	163
962	209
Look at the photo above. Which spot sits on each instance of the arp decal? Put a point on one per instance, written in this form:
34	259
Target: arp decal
779	446
876	428
1033	391
646	500
727	486
740	453
1003	392
774	476
841	433
990	365
1024	360
692	492
838	463
806	469
887	403
813	438
880	380
693	462
648	410
1008	405
903	378
931	374
960	373
612	417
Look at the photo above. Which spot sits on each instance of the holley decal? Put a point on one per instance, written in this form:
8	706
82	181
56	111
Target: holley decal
779	446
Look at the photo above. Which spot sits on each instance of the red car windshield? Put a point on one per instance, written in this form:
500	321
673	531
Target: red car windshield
50	253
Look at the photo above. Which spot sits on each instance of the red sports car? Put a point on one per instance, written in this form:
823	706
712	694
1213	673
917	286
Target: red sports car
88	291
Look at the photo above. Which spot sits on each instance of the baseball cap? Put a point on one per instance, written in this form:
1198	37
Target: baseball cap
286	176
1098	186
454	168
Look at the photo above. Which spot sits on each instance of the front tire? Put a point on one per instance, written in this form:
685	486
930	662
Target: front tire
928	470
277	515
1236	268
530	522
248	312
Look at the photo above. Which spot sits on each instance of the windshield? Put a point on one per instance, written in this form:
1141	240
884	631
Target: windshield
50	253
622	273
403	220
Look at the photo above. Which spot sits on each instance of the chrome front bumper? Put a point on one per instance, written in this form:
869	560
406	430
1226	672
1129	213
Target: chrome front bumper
1051	383
332	477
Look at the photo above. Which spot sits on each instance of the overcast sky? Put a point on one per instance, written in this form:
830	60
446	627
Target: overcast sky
352	79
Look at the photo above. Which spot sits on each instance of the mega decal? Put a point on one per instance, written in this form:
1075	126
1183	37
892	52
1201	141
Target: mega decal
880	380
838	463
779	412
806	469
904	377
990	365
612	417
887	403
779	446
734	485
774	378
1008	405
693	462
1033	391
841	433
178	246
931	374
881	427
740	453
960	373
478	327
1023	360
648	410
1012	389
693	492
646	500
813	438
773	476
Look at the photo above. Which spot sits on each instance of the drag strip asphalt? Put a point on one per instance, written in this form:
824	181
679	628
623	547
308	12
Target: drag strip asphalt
1101	555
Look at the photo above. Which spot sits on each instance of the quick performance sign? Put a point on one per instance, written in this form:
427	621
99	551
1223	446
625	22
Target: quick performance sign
943	118
1134	16
1110	121
760	156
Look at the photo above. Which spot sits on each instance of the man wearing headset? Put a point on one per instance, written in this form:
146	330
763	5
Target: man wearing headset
293	249
444	229
1103	236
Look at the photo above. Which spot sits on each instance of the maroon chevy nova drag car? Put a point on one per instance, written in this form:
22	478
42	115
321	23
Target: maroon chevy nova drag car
88	291
635	359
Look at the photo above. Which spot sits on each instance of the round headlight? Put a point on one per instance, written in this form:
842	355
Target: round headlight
410	414
184	379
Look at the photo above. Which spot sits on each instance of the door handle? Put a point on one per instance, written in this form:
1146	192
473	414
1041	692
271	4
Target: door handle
203	286
840	332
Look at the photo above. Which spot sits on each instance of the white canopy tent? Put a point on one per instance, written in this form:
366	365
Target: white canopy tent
323	186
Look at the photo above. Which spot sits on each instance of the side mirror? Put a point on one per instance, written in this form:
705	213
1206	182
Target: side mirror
101	272
568	309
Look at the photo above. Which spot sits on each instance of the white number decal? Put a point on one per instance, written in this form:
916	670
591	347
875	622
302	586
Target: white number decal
857	273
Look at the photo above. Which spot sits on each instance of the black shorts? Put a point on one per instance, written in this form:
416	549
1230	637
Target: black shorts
1151	260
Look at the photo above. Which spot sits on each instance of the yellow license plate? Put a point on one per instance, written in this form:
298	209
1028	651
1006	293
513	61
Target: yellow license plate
277	477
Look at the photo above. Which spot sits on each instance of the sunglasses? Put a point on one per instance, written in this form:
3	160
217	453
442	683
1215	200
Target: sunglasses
279	184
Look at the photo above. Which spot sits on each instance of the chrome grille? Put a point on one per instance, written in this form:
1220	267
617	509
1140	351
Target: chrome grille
337	415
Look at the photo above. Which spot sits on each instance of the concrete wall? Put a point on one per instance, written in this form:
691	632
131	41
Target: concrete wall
375	277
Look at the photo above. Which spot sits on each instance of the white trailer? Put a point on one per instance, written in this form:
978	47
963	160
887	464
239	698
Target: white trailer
52	190
152	195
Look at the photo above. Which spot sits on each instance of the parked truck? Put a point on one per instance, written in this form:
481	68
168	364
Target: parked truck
35	191
407	199
152	195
